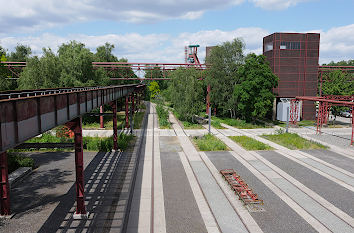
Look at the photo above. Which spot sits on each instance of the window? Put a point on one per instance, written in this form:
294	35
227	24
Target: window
268	46
289	45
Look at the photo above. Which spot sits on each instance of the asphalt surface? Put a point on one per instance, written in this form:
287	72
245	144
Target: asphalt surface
278	216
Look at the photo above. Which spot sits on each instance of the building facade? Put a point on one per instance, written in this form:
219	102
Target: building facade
293	57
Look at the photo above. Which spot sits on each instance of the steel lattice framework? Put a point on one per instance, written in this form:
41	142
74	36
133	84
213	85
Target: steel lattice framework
324	105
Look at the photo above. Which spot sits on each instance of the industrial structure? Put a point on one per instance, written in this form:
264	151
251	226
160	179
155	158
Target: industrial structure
293	57
25	114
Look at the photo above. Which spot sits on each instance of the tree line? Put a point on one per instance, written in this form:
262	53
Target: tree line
70	66
241	85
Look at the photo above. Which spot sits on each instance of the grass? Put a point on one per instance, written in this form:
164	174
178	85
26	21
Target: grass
240	124
189	125
209	143
293	141
216	123
306	123
89	143
250	143
162	114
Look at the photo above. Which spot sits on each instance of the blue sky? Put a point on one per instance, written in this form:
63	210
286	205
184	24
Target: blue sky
157	30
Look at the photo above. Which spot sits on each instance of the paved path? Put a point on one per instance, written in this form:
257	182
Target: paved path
164	184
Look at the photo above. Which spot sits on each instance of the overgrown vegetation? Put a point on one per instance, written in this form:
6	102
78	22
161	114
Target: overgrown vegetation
162	114
16	160
209	142
240	124
89	143
250	143
187	93
293	141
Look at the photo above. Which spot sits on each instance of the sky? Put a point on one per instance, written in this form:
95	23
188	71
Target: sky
158	30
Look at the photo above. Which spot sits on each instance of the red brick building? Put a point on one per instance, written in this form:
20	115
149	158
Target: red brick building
293	57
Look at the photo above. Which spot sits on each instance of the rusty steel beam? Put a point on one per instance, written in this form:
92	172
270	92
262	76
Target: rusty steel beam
4	186
41	145
76	126
115	130
127	112
22	118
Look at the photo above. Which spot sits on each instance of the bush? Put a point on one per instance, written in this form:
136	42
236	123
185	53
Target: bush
15	161
162	114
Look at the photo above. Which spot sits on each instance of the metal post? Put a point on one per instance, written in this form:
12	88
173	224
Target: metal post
351	142
287	119
209	115
115	133
101	118
76	126
208	99
126	112
5	187
133	103
131	119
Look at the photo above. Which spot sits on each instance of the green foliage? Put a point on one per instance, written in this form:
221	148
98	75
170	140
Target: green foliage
89	143
216	123
187	93
209	143
250	143
41	72
338	83
293	141
253	94
240	124
222	76
104	53
71	67
154	89
21	53
162	114
16	161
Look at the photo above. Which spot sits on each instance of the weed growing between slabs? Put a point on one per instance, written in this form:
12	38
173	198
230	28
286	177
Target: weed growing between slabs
162	114
250	143
293	141
240	124
209	142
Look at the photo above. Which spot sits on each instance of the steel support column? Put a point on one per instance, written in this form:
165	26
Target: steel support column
208	100
126	112
5	187
115	132
76	126
133	104
101	118
352	140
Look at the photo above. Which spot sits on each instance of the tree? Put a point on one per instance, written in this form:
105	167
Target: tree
104	53
187	93
41	72
22	53
154	89
76	64
253	93
338	83
222	76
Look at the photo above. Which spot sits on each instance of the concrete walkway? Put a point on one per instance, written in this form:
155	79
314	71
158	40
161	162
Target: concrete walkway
164	184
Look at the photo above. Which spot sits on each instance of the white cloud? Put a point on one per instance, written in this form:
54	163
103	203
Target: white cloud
34	15
31	16
336	44
276	4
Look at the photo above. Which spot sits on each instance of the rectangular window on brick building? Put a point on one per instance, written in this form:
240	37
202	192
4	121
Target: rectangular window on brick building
289	45
268	46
